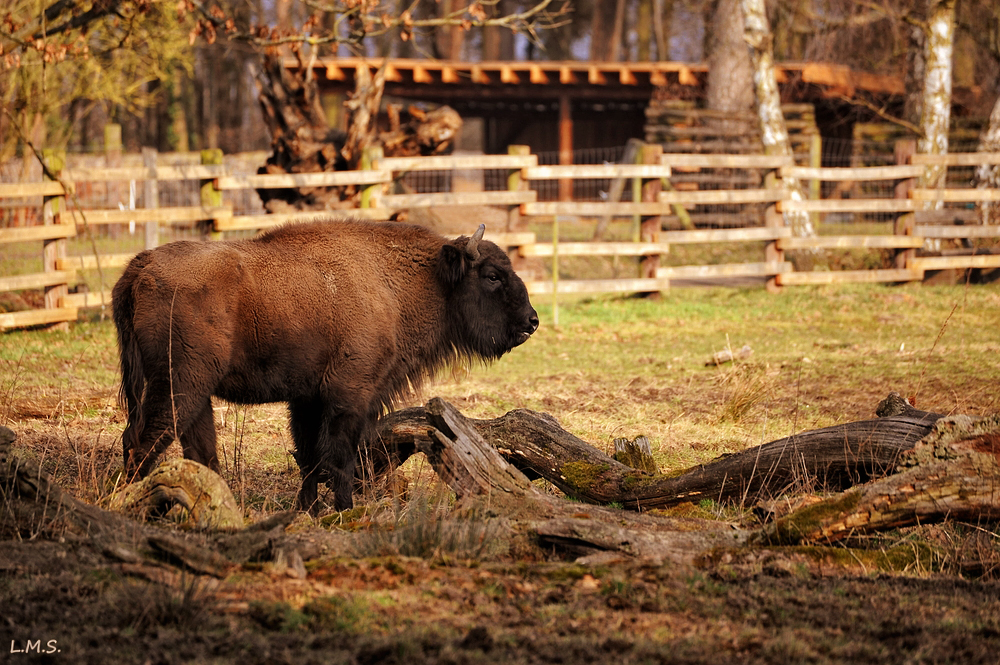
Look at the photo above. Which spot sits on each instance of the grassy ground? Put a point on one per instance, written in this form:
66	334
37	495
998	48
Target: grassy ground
613	367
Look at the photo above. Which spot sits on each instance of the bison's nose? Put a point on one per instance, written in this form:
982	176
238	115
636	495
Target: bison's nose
532	323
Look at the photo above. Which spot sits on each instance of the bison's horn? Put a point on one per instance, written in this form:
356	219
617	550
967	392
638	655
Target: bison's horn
472	249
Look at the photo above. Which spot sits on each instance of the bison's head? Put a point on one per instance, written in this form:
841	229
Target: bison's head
488	305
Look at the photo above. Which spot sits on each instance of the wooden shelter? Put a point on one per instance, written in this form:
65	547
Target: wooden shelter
563	106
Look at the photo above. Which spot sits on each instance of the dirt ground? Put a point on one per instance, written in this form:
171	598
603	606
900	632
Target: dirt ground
68	603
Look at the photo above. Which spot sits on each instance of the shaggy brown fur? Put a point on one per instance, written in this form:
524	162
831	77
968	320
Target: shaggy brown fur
335	318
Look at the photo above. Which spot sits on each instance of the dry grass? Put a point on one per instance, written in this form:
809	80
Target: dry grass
614	368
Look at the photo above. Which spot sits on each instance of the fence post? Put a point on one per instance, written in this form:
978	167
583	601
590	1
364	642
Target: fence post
515	183
369	157
650	227
905	224
151	195
211	197
54	249
773	220
815	161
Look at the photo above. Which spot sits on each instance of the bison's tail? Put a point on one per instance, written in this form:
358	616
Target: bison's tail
133	378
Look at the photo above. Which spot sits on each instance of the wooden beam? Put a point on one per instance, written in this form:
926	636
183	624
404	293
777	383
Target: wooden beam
567	76
849	205
178	215
36	280
508	75
685	77
853	173
36	317
89	261
421	75
836	242
594	209
324	179
727	161
500	198
449	75
596	171
953	262
41	232
760	269
958	231
712	196
626	77
25	189
958	159
636	285
658	78
596	249
334	73
87	299
595	76
450	162
970	195
847	276
754	234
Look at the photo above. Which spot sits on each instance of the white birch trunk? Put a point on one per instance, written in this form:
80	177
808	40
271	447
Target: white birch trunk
774	132
936	112
987	175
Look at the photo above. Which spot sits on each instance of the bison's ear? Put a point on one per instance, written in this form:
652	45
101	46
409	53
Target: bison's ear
452	265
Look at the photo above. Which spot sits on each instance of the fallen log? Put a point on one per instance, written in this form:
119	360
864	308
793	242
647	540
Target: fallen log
831	458
952	473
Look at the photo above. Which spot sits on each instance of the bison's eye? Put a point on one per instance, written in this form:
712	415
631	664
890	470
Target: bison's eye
493	278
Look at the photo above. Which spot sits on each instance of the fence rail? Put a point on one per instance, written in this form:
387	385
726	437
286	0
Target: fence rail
657	205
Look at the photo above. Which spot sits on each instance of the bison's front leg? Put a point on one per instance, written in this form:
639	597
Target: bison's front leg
326	441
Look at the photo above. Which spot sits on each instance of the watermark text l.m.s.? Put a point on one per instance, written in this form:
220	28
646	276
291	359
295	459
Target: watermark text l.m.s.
34	646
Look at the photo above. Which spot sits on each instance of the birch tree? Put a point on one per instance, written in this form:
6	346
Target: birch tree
935	114
774	132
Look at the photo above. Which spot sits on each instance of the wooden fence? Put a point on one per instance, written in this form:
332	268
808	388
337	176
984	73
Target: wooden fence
656	207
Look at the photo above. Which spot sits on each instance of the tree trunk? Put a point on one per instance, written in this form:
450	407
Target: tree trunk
988	176
936	112
952	473
833	458
774	132
730	72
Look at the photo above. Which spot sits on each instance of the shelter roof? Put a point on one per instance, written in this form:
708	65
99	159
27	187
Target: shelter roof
625	80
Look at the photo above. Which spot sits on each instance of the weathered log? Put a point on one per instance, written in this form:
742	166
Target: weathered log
953	472
472	468
832	458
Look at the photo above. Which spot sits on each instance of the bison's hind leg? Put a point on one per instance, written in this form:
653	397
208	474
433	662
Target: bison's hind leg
326	443
198	439
165	415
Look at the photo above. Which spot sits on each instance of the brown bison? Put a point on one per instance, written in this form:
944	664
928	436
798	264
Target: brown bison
335	318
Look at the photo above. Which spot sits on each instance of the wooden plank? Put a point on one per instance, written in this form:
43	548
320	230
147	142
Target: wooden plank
834	242
970	195
958	159
398	201
179	172
610	171
21	190
161	215
636	285
504	239
89	261
754	234
96	299
450	162
36	280
950	262
325	179
946	216
36	317
40	232
849	205
596	249
846	276
853	173
761	269
262	222
595	208
723	196
957	231
710	161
